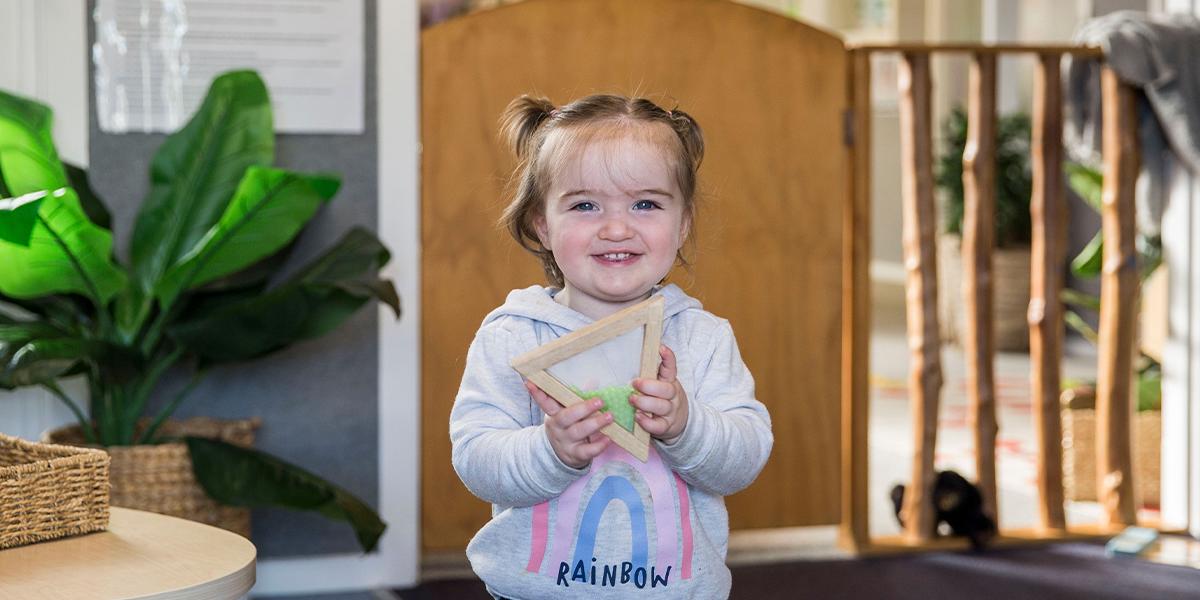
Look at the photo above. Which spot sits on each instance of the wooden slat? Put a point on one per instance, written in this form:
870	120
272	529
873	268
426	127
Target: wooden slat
920	223
1118	291
979	218
913	48
1048	210
854	528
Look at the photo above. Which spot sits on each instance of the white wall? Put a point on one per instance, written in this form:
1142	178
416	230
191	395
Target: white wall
43	45
1181	356
48	40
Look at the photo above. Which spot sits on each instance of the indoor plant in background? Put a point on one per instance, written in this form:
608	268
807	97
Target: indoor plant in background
1012	234
1079	397
196	291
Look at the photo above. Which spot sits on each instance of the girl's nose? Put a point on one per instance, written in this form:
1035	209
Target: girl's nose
616	229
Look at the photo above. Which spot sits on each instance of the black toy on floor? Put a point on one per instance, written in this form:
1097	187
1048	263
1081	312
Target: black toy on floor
958	503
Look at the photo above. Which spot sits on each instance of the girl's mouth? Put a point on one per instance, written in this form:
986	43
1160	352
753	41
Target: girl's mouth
616	258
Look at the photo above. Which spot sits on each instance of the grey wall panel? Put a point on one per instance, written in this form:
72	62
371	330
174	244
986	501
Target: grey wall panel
319	399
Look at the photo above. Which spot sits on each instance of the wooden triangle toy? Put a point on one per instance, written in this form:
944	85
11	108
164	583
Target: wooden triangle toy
535	364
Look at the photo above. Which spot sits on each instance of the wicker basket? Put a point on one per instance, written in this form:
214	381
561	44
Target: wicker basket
49	492
158	478
1079	455
1010	294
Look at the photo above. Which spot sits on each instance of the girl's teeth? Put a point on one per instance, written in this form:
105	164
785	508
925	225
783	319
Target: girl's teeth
619	256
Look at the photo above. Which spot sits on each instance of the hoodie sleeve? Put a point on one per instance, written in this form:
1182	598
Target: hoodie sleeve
498	452
728	435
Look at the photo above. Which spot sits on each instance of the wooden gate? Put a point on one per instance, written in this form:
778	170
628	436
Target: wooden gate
770	94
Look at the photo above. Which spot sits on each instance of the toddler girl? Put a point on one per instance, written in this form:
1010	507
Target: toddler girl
605	199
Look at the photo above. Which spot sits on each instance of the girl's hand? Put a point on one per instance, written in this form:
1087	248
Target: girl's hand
662	404
574	431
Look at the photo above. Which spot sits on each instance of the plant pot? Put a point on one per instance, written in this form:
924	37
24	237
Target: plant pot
1079	455
158	478
1010	294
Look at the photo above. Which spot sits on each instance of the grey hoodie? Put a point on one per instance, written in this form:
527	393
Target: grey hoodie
556	532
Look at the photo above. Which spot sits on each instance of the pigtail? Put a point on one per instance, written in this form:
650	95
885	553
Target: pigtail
689	134
521	120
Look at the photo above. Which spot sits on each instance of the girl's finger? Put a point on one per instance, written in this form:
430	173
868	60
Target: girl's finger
544	401
651	405
578	412
583	429
655	387
591	450
653	425
667	370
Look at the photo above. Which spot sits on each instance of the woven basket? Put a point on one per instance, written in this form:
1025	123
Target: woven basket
158	478
1010	294
1079	455
49	492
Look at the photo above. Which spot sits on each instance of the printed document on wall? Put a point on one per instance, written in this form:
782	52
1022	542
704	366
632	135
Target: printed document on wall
154	60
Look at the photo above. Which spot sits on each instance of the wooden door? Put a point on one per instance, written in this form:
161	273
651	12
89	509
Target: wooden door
769	93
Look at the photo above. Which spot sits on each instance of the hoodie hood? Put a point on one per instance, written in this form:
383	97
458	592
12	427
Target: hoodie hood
537	303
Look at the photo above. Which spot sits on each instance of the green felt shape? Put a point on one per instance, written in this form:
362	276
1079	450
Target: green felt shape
616	401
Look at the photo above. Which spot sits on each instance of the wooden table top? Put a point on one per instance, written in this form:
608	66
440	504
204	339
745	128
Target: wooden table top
141	555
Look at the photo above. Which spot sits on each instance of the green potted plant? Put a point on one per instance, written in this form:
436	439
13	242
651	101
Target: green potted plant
1012	234
1079	397
217	222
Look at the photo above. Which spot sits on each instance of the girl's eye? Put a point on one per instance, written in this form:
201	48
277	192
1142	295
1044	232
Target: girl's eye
646	205
583	206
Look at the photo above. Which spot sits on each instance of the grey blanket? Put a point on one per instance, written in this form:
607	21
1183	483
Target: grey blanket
1159	54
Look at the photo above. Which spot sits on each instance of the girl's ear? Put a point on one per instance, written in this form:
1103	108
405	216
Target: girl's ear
543	231
685	228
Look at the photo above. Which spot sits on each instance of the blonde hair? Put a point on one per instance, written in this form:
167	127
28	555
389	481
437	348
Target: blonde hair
528	121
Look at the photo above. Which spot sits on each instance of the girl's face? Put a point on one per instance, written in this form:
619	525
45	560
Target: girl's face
614	219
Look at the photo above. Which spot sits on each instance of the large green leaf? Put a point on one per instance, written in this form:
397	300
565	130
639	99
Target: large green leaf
1088	262
18	216
244	477
28	160
67	253
1149	389
68	313
196	171
1088	183
309	304
1080	299
29	165
34	352
91	203
255	277
44	360
15	334
1077	322
1150	254
270	207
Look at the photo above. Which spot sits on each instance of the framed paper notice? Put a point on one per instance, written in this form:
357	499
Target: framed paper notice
154	60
